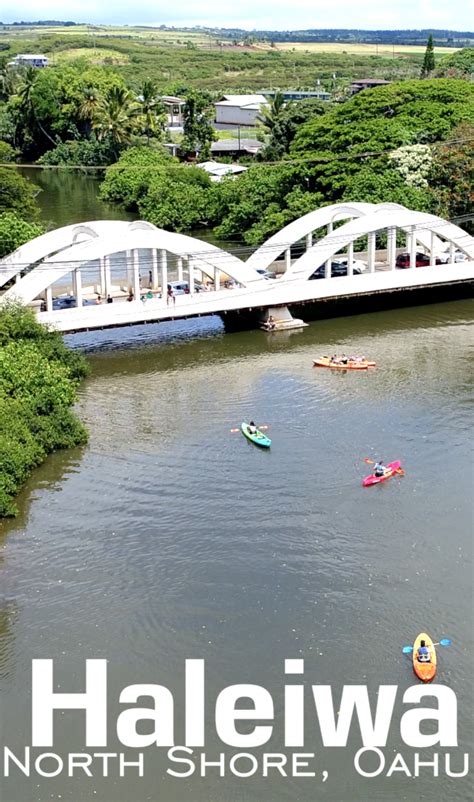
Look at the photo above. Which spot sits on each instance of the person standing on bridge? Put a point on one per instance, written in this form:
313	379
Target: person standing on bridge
110	300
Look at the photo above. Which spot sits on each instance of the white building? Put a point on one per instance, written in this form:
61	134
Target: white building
29	60
239	109
174	107
217	170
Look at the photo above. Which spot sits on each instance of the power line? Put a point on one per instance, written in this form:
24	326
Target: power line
314	159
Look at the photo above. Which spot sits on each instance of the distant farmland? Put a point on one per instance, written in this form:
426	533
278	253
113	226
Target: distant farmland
359	49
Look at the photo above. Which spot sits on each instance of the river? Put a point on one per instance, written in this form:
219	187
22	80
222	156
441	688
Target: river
170	537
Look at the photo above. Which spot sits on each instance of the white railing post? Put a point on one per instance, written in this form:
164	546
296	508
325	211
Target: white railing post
309	240
288	259
180	268
49	299
191	275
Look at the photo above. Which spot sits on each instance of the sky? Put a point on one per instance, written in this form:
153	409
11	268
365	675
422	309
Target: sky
249	14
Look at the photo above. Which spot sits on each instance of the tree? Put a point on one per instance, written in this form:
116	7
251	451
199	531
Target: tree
116	118
17	194
451	179
127	181
15	232
286	125
27	107
152	109
198	129
270	115
429	59
457	65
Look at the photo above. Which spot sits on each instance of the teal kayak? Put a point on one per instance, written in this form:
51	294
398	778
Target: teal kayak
258	438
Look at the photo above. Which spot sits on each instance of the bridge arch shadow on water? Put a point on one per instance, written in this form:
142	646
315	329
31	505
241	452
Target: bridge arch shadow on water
135	262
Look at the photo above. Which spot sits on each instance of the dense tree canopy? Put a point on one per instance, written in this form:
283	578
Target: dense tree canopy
15	232
17	194
38	381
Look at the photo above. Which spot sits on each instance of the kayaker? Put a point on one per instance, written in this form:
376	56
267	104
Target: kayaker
252	428
379	469
423	653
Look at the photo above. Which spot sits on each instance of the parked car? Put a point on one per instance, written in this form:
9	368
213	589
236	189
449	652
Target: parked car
69	302
357	264
182	287
421	260
337	269
458	256
266	273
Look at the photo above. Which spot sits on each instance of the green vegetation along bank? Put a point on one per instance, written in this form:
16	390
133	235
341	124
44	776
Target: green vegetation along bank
39	377
408	143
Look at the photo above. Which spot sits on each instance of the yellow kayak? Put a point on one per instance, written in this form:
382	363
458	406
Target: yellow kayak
424	671
325	362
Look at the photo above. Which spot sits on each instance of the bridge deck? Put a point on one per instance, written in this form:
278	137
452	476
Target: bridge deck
274	293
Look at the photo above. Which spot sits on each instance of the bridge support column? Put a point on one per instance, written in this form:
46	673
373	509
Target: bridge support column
49	299
432	250
180	268
154	268
412	248
107	276
371	251
330	227
309	241
392	247
217	278
78	285
288	259
350	259
451	252
164	272
102	284
136	274
129	269
191	274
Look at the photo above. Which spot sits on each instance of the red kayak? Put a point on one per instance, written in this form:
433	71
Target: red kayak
392	468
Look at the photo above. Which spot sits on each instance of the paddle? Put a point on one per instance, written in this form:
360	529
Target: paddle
264	426
369	461
443	642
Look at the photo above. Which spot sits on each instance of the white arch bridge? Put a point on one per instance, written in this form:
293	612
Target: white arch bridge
130	261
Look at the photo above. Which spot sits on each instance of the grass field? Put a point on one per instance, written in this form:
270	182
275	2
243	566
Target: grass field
143	34
359	49
102	56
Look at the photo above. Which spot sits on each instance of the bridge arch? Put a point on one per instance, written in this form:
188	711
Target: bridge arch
420	227
52	242
122	237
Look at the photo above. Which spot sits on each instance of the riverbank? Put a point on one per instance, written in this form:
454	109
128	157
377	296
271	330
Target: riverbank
39	377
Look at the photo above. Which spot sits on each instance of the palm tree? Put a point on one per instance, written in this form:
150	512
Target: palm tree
88	107
270	115
8	81
151	108
27	101
116	117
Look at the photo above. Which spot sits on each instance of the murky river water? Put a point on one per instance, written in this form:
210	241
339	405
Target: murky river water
169	537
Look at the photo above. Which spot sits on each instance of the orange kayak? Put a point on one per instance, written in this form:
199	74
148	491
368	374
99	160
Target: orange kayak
325	362
424	671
